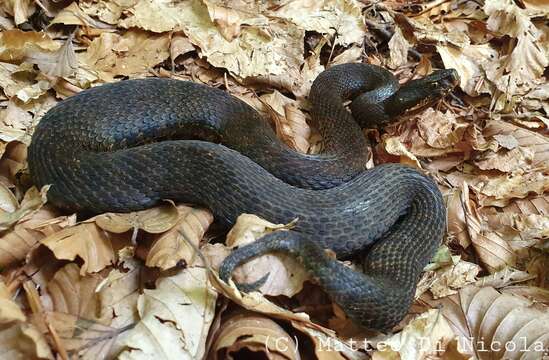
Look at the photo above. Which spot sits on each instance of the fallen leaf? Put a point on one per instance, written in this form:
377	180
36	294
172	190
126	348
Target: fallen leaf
256	333
488	322
32	202
286	275
73	15
505	277
428	334
155	220
521	69
131	54
468	62
9	310
394	146
227	19
73	293
398	47
518	159
453	277
21	10
23	341
342	18
27	234
87	241
173	246
290	122
440	130
494	252
60	63
17	44
174	318
327	346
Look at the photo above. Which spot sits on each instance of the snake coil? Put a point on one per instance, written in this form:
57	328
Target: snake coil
127	146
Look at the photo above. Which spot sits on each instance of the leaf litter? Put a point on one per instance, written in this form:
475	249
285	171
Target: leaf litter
134	285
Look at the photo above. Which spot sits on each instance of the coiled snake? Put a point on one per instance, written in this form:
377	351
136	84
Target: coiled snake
120	147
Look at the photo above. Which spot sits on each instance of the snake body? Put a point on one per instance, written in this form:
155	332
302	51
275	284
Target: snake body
127	146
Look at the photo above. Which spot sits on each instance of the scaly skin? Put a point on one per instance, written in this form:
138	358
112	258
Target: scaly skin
119	147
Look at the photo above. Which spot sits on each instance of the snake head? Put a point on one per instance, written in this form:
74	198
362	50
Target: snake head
422	91
440	82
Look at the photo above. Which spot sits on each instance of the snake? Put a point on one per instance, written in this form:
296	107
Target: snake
132	144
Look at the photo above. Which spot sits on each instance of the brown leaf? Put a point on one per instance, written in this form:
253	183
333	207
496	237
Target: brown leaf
9	310
172	246
520	70
23	341
227	19
154	220
457	222
290	122
73	15
398	47
426	335
493	251
32	202
75	294
504	277
525	138
21	10
440	130
17	44
87	241
174	318
28	232
132	54
60	63
487	322
256	333
286	275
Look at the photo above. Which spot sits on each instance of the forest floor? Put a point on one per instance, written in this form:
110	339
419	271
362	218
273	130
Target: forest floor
133	286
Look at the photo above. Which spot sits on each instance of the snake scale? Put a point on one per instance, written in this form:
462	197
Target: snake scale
128	145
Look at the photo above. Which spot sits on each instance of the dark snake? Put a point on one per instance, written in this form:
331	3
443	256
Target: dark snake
128	145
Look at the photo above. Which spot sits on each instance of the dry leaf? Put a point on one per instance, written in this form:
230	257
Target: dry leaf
17	44
449	279
174	318
398	47
27	234
32	202
394	146
492	325
457	222
494	252
468	62
173	246
227	19
132	54
286	275
155	220
440	130
505	277
9	310
521	69
73	293
87	241
23	341
73	15
290	122
327	346
254	333
254	301
341	18
428	334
